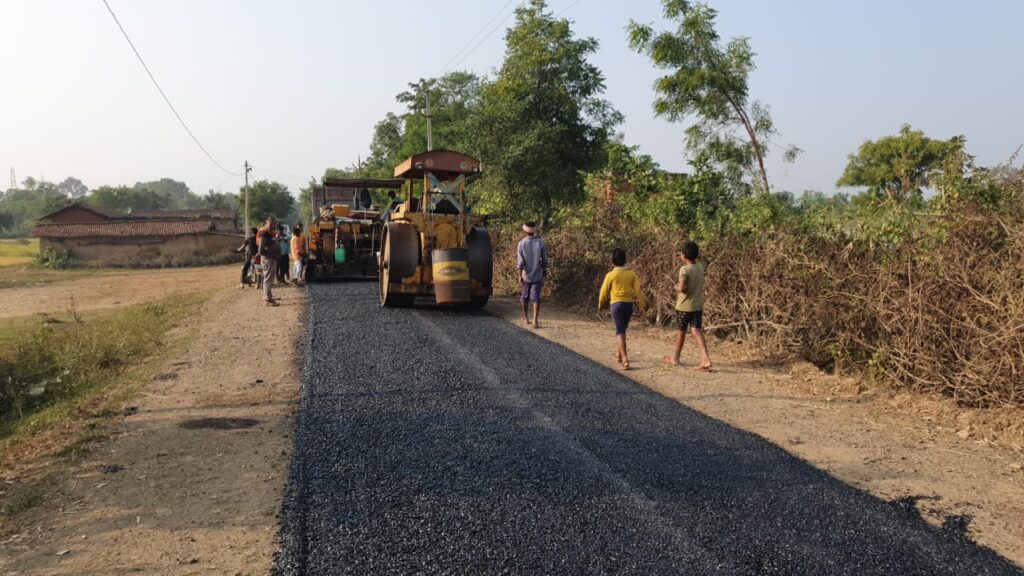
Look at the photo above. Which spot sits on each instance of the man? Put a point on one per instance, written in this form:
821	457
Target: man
249	247
282	264
270	255
298	253
532	262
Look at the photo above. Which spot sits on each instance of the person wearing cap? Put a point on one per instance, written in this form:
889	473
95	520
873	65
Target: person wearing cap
532	263
298	250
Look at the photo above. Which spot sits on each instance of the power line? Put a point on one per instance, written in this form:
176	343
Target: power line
159	89
482	28
484	39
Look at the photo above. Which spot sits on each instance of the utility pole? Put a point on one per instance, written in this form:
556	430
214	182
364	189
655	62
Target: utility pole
430	118
248	169
14	180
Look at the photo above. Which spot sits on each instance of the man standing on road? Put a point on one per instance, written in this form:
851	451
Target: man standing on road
270	254
249	247
298	250
690	306
532	262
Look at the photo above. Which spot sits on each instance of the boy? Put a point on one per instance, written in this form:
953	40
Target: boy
690	305
621	288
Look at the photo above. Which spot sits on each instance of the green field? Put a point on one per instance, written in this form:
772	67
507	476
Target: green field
18	251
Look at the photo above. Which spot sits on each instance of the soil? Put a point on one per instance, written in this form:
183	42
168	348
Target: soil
190	480
960	468
113	289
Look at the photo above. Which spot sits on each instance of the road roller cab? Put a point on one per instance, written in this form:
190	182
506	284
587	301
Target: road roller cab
431	245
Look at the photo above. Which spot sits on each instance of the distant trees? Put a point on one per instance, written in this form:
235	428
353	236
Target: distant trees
72	188
897	168
176	194
267	198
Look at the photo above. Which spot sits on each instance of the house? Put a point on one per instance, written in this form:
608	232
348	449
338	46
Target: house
100	236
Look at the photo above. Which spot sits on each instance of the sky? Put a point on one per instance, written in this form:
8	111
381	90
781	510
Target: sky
295	87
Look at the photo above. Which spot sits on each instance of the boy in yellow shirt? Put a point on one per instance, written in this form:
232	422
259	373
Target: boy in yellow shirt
690	305
621	288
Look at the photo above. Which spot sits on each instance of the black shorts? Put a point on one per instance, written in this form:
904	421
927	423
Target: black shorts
686	319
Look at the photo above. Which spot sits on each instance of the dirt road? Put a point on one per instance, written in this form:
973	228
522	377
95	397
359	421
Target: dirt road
113	289
190	480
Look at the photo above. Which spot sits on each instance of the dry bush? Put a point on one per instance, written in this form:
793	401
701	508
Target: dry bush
941	312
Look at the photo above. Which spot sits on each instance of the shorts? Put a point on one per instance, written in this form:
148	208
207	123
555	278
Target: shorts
686	319
621	313
531	292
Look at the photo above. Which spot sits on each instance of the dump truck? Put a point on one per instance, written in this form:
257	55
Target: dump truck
345	234
431	245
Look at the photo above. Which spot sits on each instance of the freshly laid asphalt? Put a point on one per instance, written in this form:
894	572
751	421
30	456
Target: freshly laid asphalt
432	441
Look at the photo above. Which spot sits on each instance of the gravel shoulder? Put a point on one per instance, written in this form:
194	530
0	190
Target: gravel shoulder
190	478
956	467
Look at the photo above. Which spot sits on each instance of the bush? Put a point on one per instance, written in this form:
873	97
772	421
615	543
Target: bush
57	259
927	298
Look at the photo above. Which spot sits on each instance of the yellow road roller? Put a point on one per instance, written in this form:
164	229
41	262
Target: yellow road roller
431	246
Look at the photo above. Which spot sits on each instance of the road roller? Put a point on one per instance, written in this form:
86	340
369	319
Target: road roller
344	236
431	245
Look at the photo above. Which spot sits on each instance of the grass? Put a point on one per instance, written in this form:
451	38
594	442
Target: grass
18	252
83	367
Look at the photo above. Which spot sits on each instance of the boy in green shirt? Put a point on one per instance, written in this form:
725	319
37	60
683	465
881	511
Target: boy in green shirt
690	305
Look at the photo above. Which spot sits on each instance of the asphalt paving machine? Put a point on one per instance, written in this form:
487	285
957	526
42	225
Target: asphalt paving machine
431	244
345	235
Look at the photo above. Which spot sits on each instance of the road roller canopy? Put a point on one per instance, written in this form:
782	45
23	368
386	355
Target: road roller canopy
445	164
349	191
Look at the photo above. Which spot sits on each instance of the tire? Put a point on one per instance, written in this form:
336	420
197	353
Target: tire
399	256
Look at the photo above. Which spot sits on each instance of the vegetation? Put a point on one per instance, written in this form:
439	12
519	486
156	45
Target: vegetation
52	364
18	252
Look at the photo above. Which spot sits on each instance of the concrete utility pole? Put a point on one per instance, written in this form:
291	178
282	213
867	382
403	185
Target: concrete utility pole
14	179
430	126
247	170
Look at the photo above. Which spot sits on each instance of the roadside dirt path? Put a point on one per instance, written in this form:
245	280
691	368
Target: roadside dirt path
959	468
191	480
113	289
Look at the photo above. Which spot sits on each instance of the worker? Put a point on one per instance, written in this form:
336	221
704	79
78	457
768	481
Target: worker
270	255
532	263
282	264
298	253
249	248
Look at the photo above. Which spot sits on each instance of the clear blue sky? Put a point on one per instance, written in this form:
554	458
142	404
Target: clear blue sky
295	87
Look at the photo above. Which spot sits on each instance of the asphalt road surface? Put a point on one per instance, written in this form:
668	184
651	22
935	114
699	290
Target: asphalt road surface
432	441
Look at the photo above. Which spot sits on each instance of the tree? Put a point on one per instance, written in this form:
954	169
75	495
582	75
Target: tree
709	81
453	97
267	198
177	193
542	122
127	199
897	168
220	201
73	188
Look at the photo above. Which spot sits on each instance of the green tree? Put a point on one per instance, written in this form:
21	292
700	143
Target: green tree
542	122
897	168
127	199
73	188
709	80
220	201
267	198
177	193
